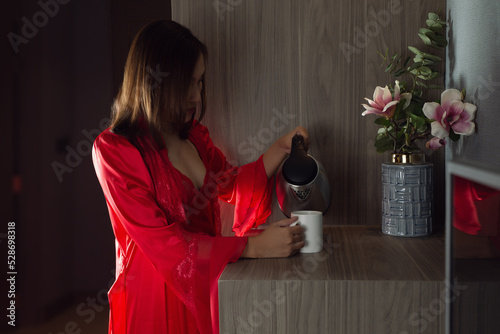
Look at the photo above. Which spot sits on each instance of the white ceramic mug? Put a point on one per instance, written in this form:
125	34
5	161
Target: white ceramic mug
312	223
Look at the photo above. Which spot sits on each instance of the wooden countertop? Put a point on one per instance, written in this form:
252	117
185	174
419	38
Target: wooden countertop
362	282
360	252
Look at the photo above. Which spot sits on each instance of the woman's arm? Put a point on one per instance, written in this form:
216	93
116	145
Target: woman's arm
279	239
275	155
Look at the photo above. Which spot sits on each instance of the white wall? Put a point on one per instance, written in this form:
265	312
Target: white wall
473	63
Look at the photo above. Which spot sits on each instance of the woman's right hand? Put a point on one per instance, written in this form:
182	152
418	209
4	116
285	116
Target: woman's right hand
278	240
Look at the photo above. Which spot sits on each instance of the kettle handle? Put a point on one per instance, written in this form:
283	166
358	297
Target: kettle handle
297	145
299	168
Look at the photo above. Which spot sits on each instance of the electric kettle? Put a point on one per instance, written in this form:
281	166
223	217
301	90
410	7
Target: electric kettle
301	182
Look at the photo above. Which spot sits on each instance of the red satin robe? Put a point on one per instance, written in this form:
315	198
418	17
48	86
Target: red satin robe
169	248
467	196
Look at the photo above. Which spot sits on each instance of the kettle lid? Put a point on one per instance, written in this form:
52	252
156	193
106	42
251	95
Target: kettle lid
300	168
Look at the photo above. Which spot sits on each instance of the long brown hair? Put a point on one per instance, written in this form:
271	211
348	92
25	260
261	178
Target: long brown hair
156	82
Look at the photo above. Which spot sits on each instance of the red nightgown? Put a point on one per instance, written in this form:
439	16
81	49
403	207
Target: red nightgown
169	248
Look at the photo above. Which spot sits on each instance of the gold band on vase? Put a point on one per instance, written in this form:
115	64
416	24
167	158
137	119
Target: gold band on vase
408	158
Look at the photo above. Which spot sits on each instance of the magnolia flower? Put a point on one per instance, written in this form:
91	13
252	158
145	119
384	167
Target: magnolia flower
452	113
383	104
435	143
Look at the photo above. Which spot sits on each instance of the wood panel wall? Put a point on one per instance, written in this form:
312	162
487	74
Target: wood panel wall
306	63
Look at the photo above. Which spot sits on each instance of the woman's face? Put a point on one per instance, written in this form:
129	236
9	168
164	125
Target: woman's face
194	93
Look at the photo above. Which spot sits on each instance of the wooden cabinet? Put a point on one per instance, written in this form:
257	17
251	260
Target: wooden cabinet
362	282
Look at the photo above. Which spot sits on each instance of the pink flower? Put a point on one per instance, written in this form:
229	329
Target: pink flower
383	104
452	113
435	143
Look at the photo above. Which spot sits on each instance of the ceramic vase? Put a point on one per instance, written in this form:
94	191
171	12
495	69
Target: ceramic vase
407	196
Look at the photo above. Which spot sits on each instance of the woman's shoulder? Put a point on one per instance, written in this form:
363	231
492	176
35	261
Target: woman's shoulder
111	141
108	137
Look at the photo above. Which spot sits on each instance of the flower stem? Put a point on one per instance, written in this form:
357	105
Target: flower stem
395	137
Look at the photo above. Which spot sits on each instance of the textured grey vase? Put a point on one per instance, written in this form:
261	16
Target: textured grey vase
407	199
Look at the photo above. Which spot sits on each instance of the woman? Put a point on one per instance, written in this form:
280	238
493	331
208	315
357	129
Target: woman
162	177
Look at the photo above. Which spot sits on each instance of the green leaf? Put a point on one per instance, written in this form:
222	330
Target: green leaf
419	102
433	75
400	72
463	94
434	26
384	143
415	108
439	39
423	55
388	68
426	39
424	70
414	66
453	136
428	62
430	22
406	61
431	57
433	16
415	50
402	86
430	76
382	121
434	46
395	57
399	113
442	23
427	32
418	122
420	83
438	42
